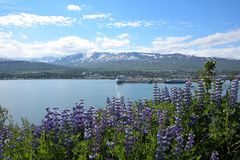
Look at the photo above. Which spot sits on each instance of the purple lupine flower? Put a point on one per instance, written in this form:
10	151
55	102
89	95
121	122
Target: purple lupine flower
122	101
129	140
167	98
173	132
113	104
110	144
193	120
129	113
190	141
234	92
147	114
37	131
92	156
144	102
214	155
140	105
174	95
176	99
178	108
145	130
77	117
180	144
178	121
155	94
200	94
97	130
6	134
166	138
88	116
87	132
68	142
108	102
146	119
66	121
51	121
177	129
1	145
162	118
161	95
103	121
124	117
217	95
129	103
119	110
110	113
139	121
187	94
88	122
159	155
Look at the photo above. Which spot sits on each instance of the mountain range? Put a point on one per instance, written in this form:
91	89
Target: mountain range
107	61
140	61
7	66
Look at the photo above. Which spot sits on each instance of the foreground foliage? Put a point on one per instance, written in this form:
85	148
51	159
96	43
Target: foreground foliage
173	125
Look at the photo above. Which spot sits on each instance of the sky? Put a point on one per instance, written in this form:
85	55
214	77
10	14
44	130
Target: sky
30	28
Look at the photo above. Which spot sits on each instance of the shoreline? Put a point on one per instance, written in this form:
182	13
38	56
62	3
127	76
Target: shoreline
129	80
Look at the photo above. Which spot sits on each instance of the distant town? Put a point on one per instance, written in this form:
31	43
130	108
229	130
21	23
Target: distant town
129	76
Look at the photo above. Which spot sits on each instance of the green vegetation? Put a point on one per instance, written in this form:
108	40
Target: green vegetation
208	74
179	126
173	125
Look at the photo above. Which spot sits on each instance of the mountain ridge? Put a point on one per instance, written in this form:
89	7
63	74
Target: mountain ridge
143	61
113	61
17	66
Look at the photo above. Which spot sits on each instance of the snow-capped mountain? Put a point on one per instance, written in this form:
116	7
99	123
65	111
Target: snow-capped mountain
4	59
139	61
45	59
99	57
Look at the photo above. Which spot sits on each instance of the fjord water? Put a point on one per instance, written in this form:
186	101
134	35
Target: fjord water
30	98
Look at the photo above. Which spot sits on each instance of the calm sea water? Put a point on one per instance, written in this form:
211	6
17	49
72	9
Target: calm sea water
29	98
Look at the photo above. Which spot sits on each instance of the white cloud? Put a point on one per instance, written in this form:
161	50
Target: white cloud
229	52
61	46
209	41
11	48
95	16
131	24
224	45
123	36
5	35
170	44
106	43
73	7
218	39
215	45
163	41
29	20
24	36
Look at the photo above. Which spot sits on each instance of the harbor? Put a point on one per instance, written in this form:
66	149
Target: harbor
122	79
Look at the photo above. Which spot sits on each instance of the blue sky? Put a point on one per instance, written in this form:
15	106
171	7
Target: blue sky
31	28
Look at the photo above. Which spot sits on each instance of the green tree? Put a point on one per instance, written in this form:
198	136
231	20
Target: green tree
208	74
232	76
